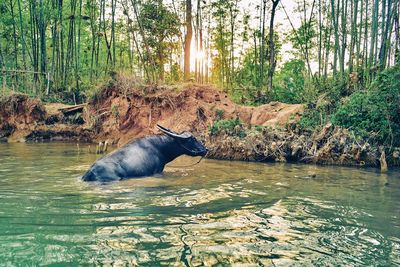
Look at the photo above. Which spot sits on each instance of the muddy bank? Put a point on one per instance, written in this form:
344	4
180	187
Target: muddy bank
330	146
123	110
27	119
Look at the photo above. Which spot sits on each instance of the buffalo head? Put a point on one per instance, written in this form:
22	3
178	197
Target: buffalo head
187	141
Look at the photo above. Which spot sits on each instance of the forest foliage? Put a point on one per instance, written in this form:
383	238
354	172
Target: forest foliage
339	57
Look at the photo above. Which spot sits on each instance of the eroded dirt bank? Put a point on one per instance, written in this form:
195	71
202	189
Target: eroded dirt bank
120	113
26	119
123	110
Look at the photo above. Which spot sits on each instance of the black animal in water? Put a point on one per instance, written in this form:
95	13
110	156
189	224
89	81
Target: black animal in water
144	157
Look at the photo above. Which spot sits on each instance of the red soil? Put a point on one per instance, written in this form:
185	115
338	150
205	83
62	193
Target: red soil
120	115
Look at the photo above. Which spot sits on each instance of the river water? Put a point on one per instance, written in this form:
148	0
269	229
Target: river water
215	213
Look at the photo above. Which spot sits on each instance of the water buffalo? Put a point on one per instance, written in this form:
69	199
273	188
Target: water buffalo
144	157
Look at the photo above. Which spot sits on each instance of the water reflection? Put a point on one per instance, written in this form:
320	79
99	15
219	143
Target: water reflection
281	234
216	213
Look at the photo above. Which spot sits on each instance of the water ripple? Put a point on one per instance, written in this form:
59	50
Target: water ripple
217	213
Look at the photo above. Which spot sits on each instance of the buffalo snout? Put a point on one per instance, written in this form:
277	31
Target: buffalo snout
194	147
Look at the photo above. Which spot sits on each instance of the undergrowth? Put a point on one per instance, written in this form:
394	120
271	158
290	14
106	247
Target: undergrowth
232	127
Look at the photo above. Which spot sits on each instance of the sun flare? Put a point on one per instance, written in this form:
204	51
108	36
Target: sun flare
200	58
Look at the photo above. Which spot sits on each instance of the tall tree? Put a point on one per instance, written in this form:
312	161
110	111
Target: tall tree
272	62
262	46
188	39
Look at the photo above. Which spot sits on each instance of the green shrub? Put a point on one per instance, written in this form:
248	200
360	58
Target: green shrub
219	113
313	118
374	113
175	74
229	126
289	82
259	128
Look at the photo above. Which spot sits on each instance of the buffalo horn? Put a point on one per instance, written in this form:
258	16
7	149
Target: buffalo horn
171	133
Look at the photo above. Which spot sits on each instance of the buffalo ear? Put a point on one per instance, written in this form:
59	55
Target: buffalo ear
171	133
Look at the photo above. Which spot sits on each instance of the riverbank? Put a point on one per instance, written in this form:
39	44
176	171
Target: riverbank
123	110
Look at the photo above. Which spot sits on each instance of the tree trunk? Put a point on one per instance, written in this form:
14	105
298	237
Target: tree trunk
233	10
14	35
344	38
358	47
319	38
397	35
201	48
374	29
23	44
144	39
262	47
386	27
188	40
353	36
42	31
272	62
308	26
335	17
113	6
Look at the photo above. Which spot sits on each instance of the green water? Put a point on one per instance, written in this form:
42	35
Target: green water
215	213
